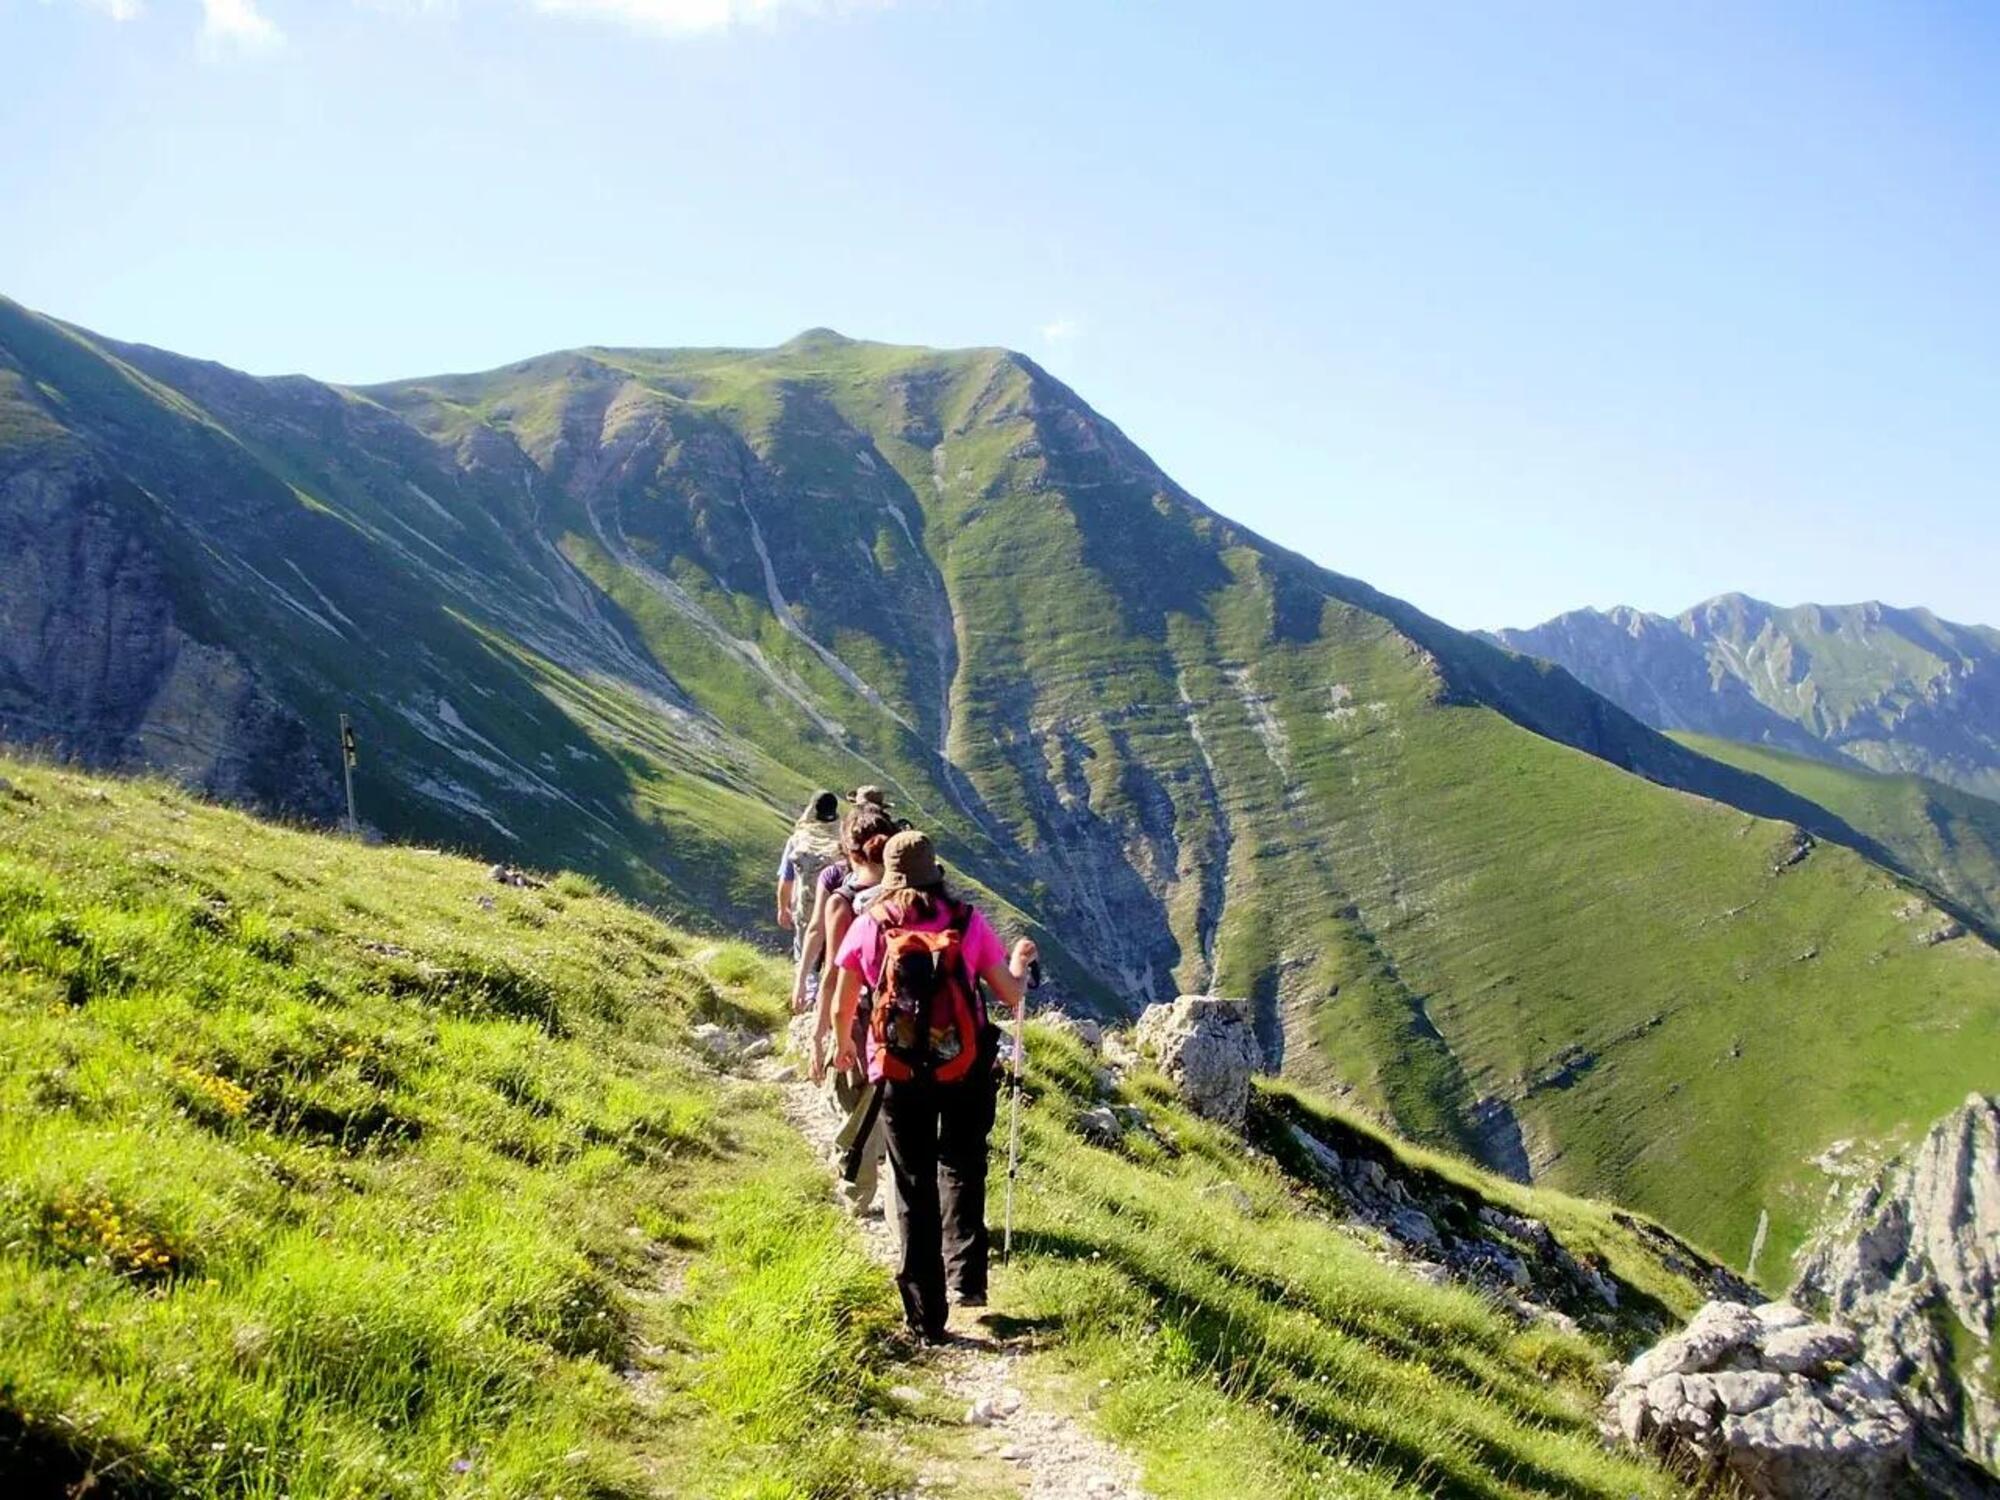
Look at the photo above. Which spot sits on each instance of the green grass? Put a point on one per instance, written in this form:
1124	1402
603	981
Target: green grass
1269	1350
331	1171
1946	838
1677	1022
336	1171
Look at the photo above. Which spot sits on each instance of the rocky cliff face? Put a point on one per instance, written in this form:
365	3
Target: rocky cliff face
100	662
1889	689
1915	1265
621	610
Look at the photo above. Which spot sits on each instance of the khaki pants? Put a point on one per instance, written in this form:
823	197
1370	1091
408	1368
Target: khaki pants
850	1094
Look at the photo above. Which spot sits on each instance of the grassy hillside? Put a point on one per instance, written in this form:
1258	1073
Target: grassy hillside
1669	1001
1248	1343
1948	839
335	1171
619	610
328	1170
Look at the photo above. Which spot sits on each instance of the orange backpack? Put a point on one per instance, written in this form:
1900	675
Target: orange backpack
925	1019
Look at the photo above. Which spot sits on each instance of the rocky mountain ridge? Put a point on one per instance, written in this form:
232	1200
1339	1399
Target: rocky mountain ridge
1895	690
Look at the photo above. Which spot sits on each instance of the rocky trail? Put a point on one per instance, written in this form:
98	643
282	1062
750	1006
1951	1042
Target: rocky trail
1013	1421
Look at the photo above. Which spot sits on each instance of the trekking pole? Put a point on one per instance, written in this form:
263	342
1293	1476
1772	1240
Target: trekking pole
1014	1136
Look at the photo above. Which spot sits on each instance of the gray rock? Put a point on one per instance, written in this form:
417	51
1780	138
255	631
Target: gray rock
1414	1227
1776	1315
1917	1253
1230	1193
1322	1156
727	1047
1763	1397
1808	1350
1502	1262
1101	1126
1742	1391
1084	1030
1714	1333
103	661
1208	1050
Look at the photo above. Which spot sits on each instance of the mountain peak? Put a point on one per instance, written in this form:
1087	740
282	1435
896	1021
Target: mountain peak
817	338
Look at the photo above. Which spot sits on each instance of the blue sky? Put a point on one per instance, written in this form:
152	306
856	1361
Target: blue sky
1505	308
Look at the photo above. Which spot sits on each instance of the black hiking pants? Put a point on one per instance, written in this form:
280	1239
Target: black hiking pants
937	1155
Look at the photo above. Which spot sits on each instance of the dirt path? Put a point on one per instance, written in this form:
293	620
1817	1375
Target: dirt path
1050	1454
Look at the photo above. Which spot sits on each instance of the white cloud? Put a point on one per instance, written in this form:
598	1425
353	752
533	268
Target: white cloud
1061	331
237	26
687	17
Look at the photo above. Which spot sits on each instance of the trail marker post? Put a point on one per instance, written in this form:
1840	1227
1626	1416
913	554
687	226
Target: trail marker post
347	759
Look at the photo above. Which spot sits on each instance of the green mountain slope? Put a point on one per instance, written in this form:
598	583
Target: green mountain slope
1890	689
327	1170
1948	839
621	609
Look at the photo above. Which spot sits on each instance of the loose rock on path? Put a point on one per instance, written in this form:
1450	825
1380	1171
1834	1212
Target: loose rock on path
1054	1456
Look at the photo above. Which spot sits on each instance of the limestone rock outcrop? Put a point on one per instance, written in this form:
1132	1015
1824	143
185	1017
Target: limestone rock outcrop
1208	1050
1915	1267
1781	1405
100	661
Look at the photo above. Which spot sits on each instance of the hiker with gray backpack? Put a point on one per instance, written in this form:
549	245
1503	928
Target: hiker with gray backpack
845	889
814	844
932	1053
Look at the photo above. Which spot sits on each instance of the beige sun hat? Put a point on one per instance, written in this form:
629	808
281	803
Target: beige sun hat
910	863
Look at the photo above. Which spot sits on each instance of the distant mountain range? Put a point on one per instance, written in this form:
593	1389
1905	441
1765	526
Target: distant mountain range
622	609
1895	690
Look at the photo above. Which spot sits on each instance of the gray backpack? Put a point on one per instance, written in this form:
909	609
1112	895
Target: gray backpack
812	852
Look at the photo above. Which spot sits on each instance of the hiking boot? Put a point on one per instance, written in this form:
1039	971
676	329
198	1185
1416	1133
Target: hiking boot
970	1299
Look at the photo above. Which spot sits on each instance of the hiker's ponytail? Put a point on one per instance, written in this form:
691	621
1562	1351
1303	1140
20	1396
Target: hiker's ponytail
868	831
909	905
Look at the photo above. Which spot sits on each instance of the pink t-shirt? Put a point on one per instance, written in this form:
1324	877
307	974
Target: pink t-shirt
865	947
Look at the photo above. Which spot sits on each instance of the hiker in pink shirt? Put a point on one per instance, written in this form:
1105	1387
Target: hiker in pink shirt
938	1118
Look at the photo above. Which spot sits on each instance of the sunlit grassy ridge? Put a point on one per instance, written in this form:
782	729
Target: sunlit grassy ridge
332	1171
1946	838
